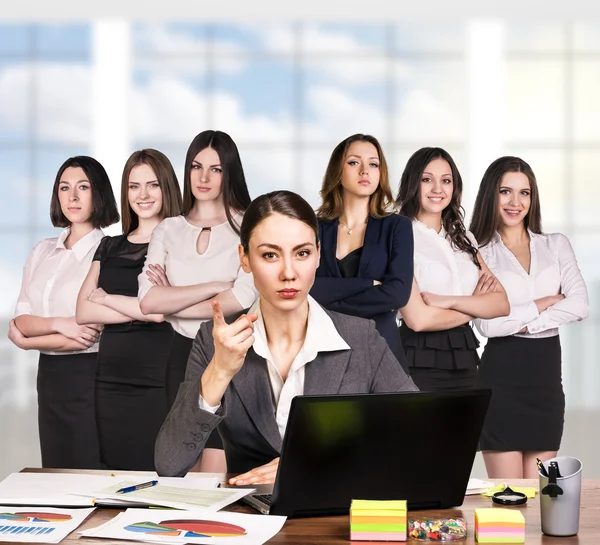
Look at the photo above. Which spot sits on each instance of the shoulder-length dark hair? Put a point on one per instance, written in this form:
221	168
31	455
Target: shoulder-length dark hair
233	186
166	178
286	203
104	206
332	192
409	197
486	215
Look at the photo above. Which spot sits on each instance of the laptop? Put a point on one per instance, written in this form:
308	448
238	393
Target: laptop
414	446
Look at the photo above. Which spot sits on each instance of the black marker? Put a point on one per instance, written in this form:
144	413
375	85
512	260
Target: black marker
541	467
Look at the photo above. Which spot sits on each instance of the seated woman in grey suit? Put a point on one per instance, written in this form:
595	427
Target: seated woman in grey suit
243	373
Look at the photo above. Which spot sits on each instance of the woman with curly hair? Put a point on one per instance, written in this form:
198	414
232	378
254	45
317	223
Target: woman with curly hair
452	284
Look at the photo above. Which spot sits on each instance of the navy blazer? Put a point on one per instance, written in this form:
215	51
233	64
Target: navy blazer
387	256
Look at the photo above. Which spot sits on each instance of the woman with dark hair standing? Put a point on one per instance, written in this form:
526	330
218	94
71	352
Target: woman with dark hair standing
452	284
521	362
193	258
248	370
131	403
82	203
366	266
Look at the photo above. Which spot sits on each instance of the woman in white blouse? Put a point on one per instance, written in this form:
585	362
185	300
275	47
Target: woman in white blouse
522	358
452	284
82	202
193	258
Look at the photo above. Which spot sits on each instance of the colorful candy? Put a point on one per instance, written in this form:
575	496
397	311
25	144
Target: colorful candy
438	529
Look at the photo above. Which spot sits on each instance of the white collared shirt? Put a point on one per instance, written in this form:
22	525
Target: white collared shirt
441	268
321	336
553	270
173	246
53	275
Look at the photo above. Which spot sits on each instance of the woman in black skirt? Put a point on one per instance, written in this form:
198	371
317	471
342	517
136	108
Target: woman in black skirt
193	258
131	403
82	202
452	284
521	362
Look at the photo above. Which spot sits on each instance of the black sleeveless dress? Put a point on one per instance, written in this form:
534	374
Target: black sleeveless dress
131	401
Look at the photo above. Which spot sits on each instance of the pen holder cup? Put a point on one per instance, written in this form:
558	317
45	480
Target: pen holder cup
560	511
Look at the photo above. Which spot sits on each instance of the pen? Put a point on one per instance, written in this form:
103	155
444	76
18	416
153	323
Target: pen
541	467
136	487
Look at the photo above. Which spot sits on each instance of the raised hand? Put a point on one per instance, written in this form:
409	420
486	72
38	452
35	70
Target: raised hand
232	341
85	334
259	475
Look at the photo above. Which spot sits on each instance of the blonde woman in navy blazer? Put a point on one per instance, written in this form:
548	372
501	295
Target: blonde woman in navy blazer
366	266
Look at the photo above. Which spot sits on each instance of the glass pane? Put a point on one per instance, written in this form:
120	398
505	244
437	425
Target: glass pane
336	103
431	101
586	37
533	37
427	37
168	102
16	203
229	39
156	39
47	163
586	107
345	39
63	98
15	38
14	250
585	189
253	101
53	38
15	101
267	169
535	91
312	165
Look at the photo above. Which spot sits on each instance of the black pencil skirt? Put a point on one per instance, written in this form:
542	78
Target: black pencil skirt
527	408
178	357
441	360
66	411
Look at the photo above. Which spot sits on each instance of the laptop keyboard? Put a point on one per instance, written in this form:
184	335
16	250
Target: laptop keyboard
265	498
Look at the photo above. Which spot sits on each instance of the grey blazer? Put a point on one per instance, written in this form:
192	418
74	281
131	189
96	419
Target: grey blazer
246	417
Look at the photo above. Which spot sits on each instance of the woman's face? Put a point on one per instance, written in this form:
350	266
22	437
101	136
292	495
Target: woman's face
75	195
144	193
360	172
283	258
206	175
436	187
514	198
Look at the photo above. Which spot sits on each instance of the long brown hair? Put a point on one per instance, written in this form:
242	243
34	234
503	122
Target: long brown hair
486	214
332	193
409	197
233	186
166	178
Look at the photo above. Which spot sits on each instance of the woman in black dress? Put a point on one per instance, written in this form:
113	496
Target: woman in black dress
82	202
521	362
131	401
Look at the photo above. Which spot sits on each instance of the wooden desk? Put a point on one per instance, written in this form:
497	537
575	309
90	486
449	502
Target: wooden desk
335	530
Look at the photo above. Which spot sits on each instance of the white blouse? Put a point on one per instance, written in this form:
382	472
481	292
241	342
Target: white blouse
173	246
321	336
441	268
553	270
53	275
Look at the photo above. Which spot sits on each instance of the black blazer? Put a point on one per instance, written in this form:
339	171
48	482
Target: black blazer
387	256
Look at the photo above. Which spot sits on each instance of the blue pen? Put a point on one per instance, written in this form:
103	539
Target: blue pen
136	487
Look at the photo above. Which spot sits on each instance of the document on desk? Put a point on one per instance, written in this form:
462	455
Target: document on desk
174	493
77	489
34	525
477	486
195	526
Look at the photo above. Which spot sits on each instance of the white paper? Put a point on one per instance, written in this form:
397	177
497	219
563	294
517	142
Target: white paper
193	526
477	486
175	493
39	525
77	489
